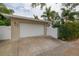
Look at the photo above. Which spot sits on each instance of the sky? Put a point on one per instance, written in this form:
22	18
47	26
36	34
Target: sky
25	9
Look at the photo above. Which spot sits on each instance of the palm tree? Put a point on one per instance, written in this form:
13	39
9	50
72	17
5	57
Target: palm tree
47	14
36	17
50	15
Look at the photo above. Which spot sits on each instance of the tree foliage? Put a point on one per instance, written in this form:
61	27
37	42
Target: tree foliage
69	31
68	28
69	11
50	15
47	14
5	10
34	5
36	17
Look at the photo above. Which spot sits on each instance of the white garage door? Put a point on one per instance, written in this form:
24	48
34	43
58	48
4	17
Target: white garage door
27	30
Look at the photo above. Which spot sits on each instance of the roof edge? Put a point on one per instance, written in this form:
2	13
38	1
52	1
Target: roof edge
23	17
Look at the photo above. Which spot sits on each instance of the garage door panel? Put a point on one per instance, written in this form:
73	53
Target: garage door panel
31	30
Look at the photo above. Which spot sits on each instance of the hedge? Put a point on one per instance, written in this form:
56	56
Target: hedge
5	22
69	31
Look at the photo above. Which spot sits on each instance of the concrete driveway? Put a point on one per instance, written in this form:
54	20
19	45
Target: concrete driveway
28	46
39	46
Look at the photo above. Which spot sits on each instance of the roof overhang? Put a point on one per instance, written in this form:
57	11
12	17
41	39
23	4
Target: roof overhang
22	18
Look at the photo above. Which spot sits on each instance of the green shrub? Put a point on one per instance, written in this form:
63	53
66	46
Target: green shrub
69	31
5	22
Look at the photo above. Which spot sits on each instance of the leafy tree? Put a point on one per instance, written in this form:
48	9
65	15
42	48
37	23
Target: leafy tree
69	11
4	9
34	5
71	5
3	19
69	30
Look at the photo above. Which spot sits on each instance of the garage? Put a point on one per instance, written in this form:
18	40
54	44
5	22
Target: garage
27	27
